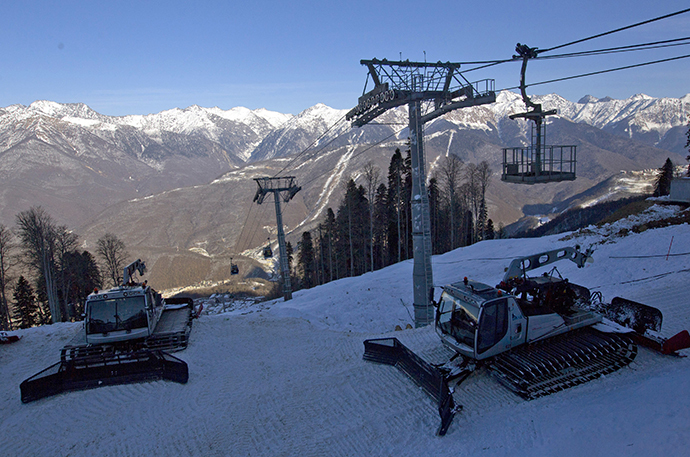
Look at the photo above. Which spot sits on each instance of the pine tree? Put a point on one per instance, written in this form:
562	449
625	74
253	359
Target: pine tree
468	230
25	306
490	232
329	234
82	277
481	221
352	221
42	302
501	234
289	251
407	204
371	178
381	241
306	261
395	205
435	214
662	184
483	177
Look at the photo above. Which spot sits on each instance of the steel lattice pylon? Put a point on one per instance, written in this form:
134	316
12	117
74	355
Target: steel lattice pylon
284	187
399	83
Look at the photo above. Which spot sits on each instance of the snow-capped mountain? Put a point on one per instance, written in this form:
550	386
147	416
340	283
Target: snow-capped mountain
238	130
69	157
298	133
157	180
655	121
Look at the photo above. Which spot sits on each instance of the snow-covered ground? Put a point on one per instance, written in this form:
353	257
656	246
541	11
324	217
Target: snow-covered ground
287	378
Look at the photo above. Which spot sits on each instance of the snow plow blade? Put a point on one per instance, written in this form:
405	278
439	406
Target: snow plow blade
7	339
391	351
670	346
91	372
634	315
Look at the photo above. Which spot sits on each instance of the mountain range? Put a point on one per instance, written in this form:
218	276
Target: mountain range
177	186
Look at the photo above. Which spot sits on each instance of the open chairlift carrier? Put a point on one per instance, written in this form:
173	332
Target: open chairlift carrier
539	162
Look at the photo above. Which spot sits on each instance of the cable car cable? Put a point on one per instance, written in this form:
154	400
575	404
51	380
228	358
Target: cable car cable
616	30
312	144
601	72
634	47
357	154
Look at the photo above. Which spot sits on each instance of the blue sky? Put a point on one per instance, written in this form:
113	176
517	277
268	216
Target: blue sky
140	57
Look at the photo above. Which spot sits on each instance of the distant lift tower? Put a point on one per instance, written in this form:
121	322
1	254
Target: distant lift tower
286	188
442	88
537	163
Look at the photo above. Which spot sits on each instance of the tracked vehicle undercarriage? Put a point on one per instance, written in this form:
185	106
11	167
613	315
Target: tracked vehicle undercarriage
564	361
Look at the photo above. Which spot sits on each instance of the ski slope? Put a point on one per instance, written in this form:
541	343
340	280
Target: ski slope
287	378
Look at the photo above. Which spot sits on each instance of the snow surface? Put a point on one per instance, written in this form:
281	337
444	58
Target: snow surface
287	378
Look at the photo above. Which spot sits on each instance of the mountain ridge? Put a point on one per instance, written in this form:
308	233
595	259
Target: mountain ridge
157	180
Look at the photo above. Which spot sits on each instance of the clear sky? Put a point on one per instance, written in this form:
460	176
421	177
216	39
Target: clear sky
140	57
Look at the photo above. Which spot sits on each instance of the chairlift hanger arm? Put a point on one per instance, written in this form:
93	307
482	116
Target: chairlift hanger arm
525	53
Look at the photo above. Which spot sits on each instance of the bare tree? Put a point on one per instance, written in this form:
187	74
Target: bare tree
451	172
474	189
38	233
65	244
372	175
6	247
114	254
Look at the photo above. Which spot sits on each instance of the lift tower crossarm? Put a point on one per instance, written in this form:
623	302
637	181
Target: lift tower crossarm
537	114
399	83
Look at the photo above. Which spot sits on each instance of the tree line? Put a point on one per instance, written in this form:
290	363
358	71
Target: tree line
44	276
372	226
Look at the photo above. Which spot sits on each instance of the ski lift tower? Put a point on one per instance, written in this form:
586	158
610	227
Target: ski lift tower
286	188
437	88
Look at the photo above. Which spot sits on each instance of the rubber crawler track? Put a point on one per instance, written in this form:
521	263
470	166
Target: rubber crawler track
564	361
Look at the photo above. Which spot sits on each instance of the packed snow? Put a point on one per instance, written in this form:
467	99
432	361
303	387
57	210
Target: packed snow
287	378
